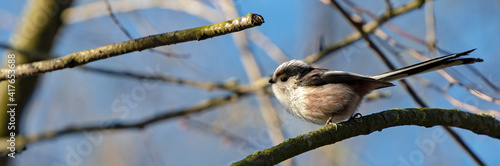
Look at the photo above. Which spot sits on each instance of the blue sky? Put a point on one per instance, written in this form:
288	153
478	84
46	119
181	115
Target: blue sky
76	97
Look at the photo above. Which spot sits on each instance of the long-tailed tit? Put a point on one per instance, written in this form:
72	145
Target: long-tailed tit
322	96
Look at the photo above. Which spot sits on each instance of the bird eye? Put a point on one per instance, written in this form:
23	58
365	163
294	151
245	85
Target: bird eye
284	79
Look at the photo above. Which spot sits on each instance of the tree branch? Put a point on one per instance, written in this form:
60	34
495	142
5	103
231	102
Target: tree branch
115	20
23	140
103	52
452	79
229	85
369	28
426	117
409	89
271	119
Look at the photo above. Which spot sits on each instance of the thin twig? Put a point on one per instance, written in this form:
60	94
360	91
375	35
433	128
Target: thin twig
271	49
230	85
421	41
409	89
83	57
443	73
95	9
195	8
30	54
454	101
448	77
23	140
430	33
266	108
120	26
388	5
221	131
452	80
418	55
115	20
368	28
364	35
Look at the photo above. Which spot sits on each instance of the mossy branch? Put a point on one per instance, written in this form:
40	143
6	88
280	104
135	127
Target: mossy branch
103	52
426	117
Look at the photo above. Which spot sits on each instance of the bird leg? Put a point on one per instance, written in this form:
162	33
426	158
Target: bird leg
329	122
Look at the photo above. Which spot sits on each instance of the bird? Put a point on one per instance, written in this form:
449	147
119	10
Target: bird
325	96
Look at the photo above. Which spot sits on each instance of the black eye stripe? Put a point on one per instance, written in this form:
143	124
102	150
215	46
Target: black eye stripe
291	69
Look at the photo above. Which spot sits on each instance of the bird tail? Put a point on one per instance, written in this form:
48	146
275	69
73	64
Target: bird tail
427	66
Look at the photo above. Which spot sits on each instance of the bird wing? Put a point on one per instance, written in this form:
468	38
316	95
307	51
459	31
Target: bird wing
321	77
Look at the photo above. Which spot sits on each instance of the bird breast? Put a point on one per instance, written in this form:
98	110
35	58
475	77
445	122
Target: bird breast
318	103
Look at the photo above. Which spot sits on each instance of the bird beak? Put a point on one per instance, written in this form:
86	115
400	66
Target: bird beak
271	81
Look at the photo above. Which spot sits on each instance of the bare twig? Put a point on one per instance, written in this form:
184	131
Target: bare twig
127	33
418	55
95	9
409	89
273	51
23	140
193	7
425	117
421	41
221	131
368	28
430	35
83	57
37	30
30	54
364	35
443	73
388	5
452	80
230	85
115	20
269	115
359	27
454	101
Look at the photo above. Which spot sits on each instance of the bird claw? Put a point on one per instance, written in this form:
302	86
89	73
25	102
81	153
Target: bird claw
333	124
329	122
356	117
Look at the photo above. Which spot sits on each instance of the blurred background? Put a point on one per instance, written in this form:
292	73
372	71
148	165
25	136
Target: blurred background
104	92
